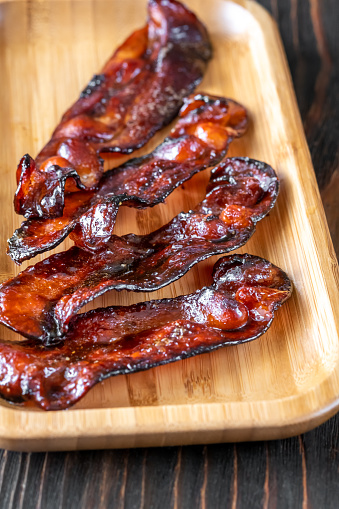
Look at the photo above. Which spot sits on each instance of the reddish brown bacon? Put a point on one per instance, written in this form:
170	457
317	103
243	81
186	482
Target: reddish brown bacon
238	307
139	90
41	300
200	139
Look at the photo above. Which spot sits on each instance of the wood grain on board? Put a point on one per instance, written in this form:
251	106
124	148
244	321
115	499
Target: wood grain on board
282	383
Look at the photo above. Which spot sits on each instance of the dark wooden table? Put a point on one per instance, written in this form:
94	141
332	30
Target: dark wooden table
300	472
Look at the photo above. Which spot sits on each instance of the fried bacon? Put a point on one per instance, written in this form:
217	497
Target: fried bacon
41	300
201	137
139	90
238	307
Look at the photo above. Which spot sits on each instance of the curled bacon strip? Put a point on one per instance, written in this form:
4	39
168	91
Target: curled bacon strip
139	90
41	300
201	137
237	308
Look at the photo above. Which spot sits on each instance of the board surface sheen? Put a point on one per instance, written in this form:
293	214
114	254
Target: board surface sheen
281	384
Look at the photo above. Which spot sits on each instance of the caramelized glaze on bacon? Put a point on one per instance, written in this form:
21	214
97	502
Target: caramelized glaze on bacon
139	90
237	308
41	300
201	137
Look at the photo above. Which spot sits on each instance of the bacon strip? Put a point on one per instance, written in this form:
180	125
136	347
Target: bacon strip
237	308
41	300
139	90
201	137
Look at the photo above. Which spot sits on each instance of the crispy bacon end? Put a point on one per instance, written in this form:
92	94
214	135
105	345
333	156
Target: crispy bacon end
238	307
201	137
139	90
41	300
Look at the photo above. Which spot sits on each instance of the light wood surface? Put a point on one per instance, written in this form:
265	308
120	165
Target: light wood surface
283	383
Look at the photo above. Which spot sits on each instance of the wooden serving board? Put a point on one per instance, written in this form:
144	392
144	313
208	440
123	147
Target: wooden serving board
282	384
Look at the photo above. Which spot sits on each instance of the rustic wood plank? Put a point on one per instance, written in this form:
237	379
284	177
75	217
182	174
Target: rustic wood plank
296	472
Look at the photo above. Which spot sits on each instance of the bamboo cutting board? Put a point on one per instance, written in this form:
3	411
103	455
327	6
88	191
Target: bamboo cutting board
282	384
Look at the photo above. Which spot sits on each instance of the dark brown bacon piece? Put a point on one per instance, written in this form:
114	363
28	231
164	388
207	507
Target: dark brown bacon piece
201	137
139	90
237	308
40	301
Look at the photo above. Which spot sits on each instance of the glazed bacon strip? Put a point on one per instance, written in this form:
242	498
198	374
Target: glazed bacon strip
139	90
238	307
41	300
200	139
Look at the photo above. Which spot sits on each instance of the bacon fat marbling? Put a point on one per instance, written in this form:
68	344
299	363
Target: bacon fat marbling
139	90
238	307
201	137
41	300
